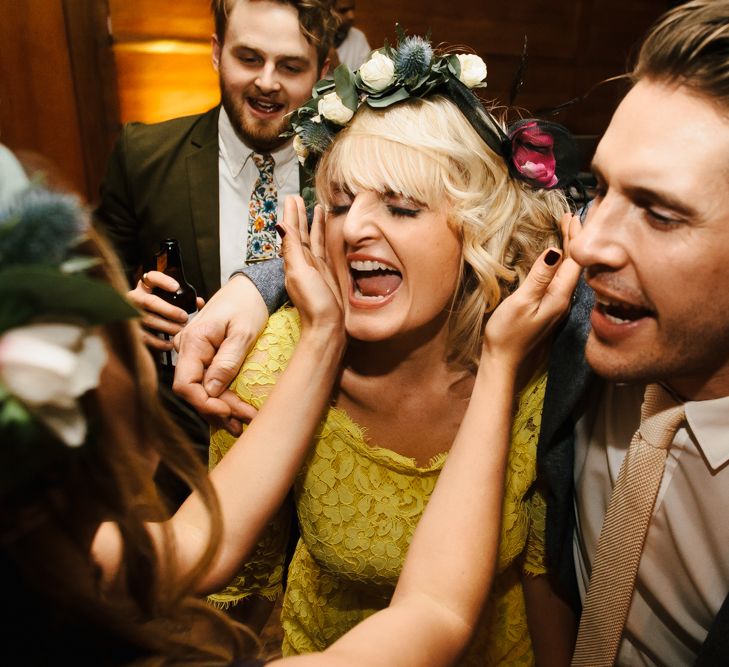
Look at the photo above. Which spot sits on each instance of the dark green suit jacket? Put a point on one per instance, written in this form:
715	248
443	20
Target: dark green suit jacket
162	181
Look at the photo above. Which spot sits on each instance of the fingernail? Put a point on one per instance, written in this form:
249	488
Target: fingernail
552	257
281	231
213	387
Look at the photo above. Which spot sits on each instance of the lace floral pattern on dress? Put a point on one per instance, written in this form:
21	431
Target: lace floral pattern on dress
358	506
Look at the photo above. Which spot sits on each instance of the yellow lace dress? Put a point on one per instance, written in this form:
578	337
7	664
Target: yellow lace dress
358	506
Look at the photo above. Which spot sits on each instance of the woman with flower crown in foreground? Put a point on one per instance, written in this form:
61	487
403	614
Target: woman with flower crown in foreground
433	214
88	579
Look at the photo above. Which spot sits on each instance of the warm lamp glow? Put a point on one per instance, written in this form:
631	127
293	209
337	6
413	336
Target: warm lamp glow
159	46
164	78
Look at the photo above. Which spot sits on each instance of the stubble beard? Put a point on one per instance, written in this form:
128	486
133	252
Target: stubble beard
685	360
259	135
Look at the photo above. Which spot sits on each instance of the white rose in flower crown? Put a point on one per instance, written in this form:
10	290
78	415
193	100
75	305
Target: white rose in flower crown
378	72
331	107
473	69
302	152
47	367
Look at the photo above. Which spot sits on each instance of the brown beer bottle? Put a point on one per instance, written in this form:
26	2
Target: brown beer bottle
169	261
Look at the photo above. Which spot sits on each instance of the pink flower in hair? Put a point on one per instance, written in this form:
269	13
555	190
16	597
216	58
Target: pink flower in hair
533	154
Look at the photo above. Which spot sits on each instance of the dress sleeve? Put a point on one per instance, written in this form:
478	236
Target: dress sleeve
262	574
534	562
534	556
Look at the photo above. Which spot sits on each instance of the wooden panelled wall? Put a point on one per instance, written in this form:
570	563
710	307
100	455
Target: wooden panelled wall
58	100
60	96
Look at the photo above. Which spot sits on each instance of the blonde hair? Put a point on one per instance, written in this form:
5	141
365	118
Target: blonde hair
425	149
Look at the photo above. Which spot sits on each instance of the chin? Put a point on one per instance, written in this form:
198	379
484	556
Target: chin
636	366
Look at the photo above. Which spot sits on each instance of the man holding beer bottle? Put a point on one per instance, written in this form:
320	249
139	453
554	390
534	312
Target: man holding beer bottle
216	181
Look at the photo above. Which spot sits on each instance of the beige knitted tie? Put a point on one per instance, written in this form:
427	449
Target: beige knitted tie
623	531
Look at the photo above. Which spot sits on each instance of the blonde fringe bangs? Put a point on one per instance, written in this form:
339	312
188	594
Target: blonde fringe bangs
427	151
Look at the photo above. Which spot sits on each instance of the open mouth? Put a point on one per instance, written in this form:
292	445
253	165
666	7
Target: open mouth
619	312
373	280
264	106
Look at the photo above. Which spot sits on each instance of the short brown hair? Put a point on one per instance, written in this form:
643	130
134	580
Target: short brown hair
689	46
317	21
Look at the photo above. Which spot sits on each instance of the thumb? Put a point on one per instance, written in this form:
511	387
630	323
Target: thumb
225	364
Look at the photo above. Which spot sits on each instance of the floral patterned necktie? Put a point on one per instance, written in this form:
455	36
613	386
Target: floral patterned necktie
262	239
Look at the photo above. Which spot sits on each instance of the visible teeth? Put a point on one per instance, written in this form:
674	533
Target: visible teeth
619	312
615	320
359	295
369	265
267	106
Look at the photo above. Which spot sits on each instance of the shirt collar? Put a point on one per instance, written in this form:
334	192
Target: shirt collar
236	153
708	422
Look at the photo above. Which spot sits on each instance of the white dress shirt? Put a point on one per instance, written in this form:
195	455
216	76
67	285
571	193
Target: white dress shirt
683	575
237	174
354	49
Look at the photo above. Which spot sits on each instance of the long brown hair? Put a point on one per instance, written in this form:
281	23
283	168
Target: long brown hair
58	604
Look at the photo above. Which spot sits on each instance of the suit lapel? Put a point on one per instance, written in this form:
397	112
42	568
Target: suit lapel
568	370
202	176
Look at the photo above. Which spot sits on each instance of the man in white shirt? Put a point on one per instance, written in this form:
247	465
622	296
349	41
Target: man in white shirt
193	178
653	247
350	42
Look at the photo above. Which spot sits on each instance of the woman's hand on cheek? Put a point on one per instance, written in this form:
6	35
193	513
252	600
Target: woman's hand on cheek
525	318
309	280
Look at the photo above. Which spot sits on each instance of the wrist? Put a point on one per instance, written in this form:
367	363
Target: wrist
329	339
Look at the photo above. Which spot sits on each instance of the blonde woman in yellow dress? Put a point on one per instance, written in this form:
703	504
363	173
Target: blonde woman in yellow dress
89	580
433	214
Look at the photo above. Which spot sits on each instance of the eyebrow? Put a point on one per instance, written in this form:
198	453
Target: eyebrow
299	57
643	196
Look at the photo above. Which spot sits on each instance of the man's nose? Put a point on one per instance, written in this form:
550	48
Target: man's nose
267	80
599	242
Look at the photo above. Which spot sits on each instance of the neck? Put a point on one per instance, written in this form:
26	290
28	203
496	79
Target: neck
701	388
413	354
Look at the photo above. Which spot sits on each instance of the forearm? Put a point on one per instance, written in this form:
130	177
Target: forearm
453	553
253	478
451	560
552	623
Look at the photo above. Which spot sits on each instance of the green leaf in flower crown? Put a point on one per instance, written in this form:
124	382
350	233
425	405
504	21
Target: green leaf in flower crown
320	89
14	312
398	95
13	413
44	289
454	65
344	82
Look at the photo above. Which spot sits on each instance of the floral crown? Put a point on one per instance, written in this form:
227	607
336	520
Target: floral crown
48	355
540	153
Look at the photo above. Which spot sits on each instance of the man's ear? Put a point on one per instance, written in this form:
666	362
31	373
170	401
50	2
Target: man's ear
216	46
325	68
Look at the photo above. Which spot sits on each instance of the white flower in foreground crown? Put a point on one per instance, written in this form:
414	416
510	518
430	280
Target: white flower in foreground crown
378	72
47	367
473	69
331	107
302	152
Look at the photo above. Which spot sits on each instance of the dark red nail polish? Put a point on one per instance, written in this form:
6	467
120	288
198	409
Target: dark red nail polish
551	258
281	231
